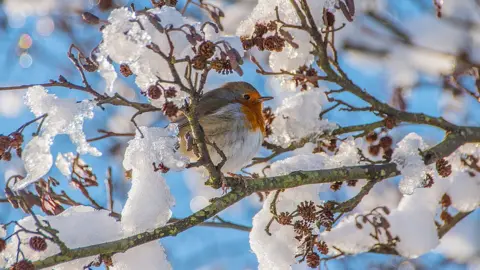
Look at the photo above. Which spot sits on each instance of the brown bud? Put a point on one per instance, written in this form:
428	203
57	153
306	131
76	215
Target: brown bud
328	18
125	70
154	92
90	18
38	243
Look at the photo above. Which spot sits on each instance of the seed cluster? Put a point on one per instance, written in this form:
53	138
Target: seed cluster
38	243
125	70
305	76
13	141
306	216
443	168
273	43
377	145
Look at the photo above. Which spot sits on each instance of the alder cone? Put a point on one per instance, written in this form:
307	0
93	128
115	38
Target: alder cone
23	265
37	243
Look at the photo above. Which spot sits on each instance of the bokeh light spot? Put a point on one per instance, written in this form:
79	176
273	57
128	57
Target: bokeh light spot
25	41
25	60
16	21
45	26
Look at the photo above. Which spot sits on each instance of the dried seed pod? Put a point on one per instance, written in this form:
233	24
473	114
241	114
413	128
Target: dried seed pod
170	92
260	30
206	49
199	62
387	154
307	211
38	243
247	43
446	201
125	70
7	156
284	218
322	247
443	168
154	92
386	142
428	181
313	260
272	26
328	18
352	183
446	217
170	109
336	186
390	122
23	265
374	149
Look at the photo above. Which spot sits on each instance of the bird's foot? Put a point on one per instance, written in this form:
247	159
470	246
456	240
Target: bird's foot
240	179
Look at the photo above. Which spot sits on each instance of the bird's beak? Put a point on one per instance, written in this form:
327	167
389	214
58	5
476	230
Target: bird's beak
262	99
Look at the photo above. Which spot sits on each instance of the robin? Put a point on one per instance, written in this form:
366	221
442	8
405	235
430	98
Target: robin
231	117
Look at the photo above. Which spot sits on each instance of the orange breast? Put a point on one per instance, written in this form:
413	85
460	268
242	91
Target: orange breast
253	117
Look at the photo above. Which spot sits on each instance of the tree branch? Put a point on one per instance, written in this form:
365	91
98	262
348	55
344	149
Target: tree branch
244	189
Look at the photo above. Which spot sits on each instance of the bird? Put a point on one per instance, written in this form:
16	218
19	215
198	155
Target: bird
231	118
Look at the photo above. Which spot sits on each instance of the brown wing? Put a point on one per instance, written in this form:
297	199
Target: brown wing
208	104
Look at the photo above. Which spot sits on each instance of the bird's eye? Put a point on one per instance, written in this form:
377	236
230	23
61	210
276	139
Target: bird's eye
246	97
